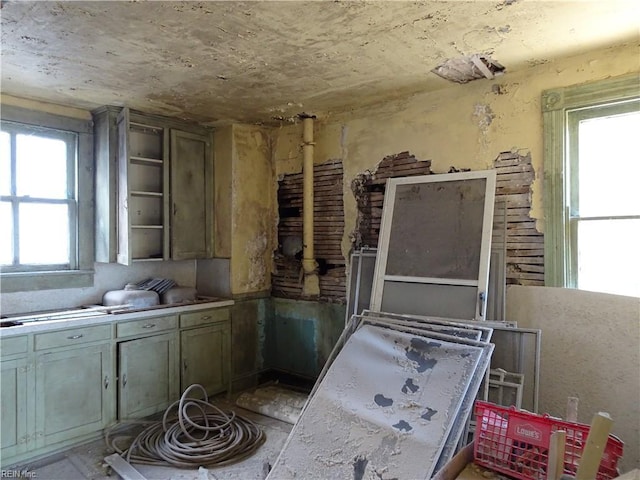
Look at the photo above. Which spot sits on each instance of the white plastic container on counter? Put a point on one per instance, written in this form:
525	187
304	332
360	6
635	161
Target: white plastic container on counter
131	296
179	295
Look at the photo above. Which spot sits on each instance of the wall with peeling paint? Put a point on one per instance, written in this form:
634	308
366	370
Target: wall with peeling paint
223	156
248	333
467	126
253	204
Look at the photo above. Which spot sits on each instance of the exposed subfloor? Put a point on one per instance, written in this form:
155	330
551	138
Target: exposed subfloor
86	462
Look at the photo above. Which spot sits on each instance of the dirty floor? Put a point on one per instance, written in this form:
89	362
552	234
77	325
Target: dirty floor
86	462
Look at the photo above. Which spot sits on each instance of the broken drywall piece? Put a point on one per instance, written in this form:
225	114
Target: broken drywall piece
468	68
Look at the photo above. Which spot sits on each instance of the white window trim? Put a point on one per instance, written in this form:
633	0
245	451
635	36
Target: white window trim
555	107
82	275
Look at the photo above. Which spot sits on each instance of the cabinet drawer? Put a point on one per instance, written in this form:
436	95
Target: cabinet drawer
145	326
13	345
65	338
204	317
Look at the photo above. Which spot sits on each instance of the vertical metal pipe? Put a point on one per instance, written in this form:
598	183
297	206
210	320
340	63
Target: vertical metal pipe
309	265
307	203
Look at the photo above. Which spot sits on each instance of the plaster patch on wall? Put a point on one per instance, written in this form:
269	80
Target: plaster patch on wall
255	250
484	39
499	89
505	3
484	116
534	62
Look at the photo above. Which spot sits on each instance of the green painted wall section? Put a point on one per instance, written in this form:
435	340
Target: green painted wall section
249	318
300	335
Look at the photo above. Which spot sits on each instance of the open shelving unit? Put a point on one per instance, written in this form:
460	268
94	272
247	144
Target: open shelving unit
144	190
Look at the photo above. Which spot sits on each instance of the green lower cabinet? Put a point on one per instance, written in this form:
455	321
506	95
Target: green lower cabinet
148	375
16	424
205	357
74	393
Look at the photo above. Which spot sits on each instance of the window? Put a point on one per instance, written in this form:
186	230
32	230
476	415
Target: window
46	217
38	199
592	202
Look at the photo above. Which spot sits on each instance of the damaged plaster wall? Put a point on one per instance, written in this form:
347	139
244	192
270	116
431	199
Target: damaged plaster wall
467	126
253	208
464	126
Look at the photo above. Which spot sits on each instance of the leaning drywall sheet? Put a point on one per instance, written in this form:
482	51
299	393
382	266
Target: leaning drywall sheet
486	328
464	412
383	410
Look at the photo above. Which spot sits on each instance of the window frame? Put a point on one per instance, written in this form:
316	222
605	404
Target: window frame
80	272
557	105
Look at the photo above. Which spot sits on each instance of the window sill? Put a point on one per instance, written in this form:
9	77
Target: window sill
31	281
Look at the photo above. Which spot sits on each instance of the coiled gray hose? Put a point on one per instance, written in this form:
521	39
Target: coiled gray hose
199	435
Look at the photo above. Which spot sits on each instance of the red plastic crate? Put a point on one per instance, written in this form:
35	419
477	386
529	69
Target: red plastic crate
516	443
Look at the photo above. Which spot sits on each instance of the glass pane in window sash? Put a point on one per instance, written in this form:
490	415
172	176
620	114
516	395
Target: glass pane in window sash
609	166
41	167
608	256
5	163
6	234
44	234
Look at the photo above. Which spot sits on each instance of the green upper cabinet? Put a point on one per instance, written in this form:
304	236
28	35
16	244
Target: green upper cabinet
191	195
154	188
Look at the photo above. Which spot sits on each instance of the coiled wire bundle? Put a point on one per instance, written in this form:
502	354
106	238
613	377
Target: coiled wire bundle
199	435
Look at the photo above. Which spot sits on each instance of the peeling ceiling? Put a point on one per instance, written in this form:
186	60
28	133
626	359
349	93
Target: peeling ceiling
221	62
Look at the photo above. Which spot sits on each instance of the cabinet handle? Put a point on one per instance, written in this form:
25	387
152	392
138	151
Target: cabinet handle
184	365
106	382
206	317
124	380
75	337
149	325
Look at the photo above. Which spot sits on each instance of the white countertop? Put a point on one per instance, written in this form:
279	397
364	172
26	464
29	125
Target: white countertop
102	317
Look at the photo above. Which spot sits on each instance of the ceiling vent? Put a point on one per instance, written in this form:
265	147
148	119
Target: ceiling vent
472	67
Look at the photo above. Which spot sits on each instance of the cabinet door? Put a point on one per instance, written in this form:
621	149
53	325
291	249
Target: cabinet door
148	375
205	357
192	195
14	386
74	393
